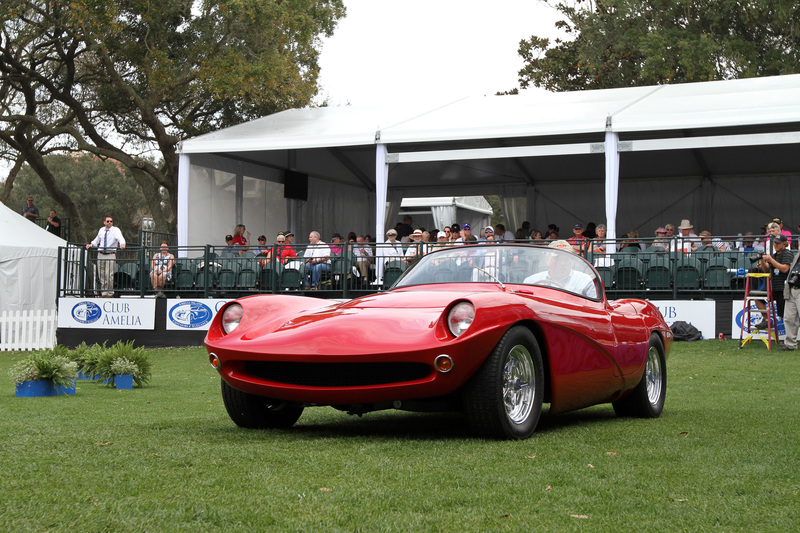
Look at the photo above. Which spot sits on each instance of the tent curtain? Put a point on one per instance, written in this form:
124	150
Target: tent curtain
530	204
513	202
394	198
443	215
612	188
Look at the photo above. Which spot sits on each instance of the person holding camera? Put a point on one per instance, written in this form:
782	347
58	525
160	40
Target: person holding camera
777	264
791	293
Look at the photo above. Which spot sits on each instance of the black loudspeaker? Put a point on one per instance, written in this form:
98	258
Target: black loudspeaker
295	185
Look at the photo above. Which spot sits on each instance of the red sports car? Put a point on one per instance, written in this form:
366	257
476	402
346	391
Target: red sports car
493	331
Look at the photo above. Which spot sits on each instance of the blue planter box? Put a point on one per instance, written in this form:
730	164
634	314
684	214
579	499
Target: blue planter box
81	375
123	381
33	389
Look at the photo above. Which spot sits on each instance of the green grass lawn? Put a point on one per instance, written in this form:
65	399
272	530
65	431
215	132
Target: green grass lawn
724	456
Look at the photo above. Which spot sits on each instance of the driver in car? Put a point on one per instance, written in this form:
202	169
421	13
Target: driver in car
560	272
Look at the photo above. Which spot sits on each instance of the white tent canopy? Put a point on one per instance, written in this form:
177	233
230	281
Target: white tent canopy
28	264
723	154
440	211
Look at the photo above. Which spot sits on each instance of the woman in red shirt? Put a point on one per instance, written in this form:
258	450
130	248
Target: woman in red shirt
238	235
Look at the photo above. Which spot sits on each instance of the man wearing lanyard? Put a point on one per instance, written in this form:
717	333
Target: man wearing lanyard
108	239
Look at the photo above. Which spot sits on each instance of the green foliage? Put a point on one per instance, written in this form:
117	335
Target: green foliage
97	188
118	78
123	354
45	365
622	43
88	357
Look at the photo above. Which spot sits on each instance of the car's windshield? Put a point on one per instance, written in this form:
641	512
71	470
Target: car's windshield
506	264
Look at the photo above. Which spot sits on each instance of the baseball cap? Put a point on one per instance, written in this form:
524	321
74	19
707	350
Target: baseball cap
489	229
466	226
780	238
391	232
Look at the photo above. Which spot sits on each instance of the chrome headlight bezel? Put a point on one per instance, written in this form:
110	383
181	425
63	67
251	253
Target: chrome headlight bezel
231	317
460	318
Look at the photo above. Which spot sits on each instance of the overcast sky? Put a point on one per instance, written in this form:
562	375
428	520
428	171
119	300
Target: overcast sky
436	50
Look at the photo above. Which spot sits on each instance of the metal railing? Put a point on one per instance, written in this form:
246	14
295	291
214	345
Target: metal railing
643	271
66	226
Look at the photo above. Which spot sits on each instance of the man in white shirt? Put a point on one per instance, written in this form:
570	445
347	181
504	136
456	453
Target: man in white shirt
392	249
417	248
561	272
108	239
318	260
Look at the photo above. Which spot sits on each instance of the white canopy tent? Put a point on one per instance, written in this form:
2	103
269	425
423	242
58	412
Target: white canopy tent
724	154
440	211
28	264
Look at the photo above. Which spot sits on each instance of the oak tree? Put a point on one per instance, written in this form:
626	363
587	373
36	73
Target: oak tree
623	43
123	78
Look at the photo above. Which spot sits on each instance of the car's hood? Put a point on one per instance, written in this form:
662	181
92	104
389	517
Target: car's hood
407	299
380	323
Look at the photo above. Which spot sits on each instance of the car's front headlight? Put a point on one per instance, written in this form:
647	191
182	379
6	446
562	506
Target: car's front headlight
231	317
460	318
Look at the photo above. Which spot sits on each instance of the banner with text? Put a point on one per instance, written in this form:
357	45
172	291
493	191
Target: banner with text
106	313
755	317
185	314
699	313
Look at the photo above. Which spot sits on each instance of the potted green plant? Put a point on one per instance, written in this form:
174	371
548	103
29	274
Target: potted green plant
45	373
123	370
87	357
135	359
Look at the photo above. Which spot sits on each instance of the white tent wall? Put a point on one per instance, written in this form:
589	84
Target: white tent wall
222	193
335	208
28	264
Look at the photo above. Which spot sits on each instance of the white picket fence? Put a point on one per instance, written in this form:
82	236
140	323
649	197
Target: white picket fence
28	330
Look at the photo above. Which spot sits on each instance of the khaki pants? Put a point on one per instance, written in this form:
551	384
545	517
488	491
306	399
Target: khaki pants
106	264
790	316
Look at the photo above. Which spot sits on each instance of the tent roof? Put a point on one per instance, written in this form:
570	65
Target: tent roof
745	127
533	113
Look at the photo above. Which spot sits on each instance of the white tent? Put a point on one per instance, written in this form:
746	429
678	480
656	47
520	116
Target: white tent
440	211
28	264
723	154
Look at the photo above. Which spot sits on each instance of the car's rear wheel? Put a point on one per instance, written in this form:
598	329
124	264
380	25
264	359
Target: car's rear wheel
256	412
504	398
647	399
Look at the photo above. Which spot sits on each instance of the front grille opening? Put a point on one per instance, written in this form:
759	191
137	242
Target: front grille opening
334	375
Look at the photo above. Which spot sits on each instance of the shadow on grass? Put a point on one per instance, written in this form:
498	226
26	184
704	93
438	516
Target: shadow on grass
414	426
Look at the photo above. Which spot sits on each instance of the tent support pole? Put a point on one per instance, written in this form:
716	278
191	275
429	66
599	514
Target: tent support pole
381	193
612	187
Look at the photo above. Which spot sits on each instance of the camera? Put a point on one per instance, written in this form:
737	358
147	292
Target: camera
756	258
794	280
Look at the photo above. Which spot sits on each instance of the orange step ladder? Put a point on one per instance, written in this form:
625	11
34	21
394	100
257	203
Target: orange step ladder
750	297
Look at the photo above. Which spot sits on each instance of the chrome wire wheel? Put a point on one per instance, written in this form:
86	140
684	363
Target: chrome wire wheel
519	384
646	400
653	375
503	400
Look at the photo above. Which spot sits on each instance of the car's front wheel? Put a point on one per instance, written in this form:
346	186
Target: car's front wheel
256	412
504	398
647	399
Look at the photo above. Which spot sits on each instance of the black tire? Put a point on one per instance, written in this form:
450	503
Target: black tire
503	400
647	399
256	412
